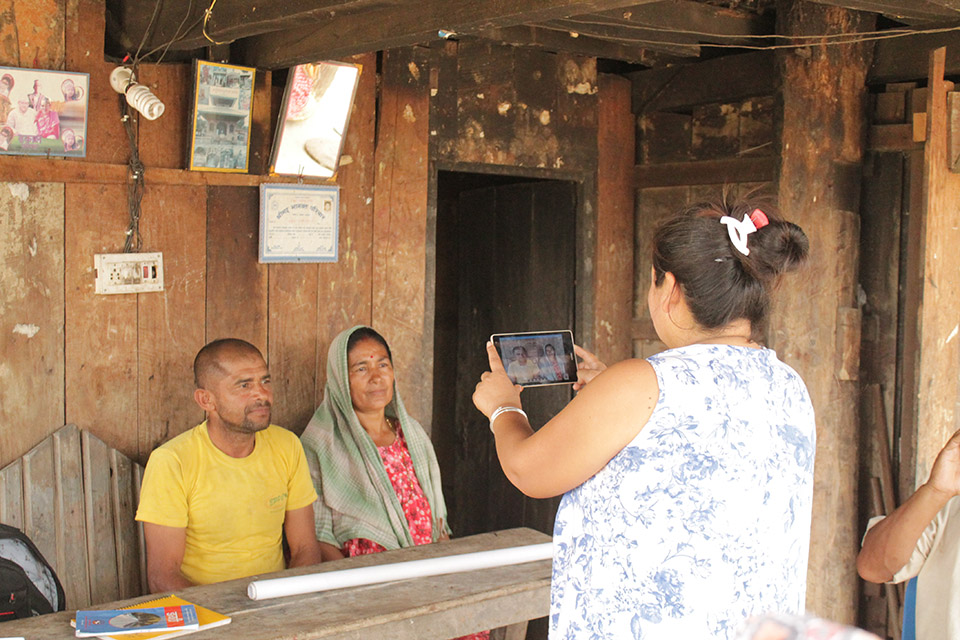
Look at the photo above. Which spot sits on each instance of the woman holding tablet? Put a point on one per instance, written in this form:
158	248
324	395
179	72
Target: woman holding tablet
688	476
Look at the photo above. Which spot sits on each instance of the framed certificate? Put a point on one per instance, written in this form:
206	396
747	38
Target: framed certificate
299	222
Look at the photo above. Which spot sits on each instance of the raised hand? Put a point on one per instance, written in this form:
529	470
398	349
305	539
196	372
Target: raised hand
588	368
495	388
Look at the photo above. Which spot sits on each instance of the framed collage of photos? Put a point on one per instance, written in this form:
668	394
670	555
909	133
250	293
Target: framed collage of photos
299	222
221	117
43	113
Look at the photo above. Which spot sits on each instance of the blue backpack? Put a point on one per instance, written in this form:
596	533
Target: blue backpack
28	584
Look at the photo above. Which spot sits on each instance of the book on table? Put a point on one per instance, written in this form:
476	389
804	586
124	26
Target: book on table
202	618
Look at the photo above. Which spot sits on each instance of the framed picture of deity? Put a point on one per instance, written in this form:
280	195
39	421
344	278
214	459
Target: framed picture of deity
43	113
313	119
221	117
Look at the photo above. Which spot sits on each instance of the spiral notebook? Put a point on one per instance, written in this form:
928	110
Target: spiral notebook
207	619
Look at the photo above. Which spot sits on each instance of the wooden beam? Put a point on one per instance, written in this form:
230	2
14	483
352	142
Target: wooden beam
910	11
676	174
548	39
626	34
393	25
900	59
725	79
230	20
682	16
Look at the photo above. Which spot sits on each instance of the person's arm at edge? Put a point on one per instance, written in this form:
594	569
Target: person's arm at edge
305	549
602	419
165	548
889	544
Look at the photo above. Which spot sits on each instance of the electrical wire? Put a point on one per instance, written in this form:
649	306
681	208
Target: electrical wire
206	17
134	241
826	39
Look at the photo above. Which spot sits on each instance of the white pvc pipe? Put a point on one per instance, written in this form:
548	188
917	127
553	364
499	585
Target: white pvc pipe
310	583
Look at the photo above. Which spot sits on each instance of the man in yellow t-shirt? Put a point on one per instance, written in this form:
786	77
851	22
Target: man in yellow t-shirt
216	500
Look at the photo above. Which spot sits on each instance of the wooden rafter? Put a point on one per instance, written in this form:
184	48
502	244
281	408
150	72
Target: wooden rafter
554	40
909	11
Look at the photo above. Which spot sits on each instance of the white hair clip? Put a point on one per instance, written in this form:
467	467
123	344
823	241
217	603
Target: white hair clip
739	230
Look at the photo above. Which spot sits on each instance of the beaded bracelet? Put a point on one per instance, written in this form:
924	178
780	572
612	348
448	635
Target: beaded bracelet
505	409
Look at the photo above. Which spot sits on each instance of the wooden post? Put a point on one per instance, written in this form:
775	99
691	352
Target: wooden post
823	131
937	384
613	277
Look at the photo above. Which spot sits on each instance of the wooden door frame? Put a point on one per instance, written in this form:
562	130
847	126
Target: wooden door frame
586	230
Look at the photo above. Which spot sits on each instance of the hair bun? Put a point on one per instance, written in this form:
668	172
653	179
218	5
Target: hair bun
779	247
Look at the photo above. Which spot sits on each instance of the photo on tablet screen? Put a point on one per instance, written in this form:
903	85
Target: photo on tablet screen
537	358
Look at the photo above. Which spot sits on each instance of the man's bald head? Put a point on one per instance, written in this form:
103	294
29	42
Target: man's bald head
208	367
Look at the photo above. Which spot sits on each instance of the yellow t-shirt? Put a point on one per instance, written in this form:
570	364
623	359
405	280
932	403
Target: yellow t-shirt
232	508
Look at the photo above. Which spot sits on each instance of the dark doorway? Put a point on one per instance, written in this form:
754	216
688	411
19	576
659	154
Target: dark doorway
506	262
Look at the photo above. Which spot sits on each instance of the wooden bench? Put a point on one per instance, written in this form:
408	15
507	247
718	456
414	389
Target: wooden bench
76	498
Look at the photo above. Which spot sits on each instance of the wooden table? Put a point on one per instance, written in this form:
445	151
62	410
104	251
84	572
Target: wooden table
439	607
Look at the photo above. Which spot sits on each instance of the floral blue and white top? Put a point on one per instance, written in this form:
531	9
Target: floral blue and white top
703	519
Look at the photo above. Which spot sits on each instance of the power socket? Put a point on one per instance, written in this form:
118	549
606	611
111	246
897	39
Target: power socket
128	272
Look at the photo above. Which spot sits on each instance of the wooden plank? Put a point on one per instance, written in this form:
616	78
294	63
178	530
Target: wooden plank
100	330
293	343
85	26
11	494
40	500
69	517
723	79
233	270
551	39
613	276
436	607
716	131
937	385
101	545
126	530
33	169
703	172
346	286
31	315
909	12
822	124
261	123
906	58
399	228
953	130
32	35
163	145
891	137
665	137
171	323
394	25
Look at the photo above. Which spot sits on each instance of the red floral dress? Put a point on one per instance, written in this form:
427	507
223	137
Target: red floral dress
403	478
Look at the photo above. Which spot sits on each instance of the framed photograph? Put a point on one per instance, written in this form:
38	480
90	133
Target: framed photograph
221	117
43	113
313	119
299	222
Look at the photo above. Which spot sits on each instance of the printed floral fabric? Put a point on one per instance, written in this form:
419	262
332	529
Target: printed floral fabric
399	466
703	519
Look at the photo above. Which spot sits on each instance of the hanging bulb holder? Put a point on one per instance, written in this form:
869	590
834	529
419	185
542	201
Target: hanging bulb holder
138	95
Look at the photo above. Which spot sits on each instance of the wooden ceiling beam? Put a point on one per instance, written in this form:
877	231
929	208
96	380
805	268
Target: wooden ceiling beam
680	20
398	24
638	37
907	11
563	41
230	19
908	58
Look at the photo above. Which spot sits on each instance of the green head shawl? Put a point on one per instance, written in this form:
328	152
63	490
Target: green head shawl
356	497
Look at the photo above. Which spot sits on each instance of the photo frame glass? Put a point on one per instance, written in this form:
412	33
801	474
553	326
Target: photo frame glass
43	113
221	117
299	222
314	118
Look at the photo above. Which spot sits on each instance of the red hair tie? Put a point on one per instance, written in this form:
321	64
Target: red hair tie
759	219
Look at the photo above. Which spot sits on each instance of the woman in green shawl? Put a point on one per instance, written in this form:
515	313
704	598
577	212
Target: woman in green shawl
373	465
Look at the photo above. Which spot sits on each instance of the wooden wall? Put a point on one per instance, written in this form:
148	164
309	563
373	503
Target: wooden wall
120	366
